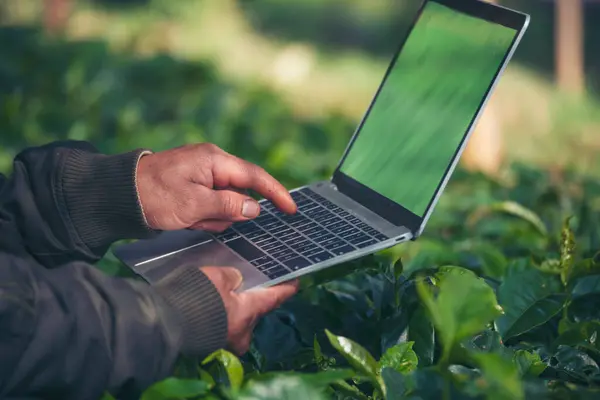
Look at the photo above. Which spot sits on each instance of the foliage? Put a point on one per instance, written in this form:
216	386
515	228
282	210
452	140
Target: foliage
499	299
506	310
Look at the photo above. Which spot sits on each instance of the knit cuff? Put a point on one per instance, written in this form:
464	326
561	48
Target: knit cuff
202	315
101	197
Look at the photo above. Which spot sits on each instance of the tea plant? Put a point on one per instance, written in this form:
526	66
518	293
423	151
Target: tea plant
497	302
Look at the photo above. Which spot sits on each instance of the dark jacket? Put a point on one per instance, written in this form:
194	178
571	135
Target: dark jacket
67	331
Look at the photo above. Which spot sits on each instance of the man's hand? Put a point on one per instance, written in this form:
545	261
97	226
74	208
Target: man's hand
245	309
196	186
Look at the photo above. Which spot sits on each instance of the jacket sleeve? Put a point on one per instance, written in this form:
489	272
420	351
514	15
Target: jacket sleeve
71	203
66	330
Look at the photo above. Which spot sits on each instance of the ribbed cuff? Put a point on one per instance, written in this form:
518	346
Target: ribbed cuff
101	197
200	308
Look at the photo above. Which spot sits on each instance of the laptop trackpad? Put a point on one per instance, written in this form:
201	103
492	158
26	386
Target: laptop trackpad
208	253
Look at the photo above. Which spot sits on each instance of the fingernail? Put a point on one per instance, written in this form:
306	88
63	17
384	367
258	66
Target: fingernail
240	279
250	209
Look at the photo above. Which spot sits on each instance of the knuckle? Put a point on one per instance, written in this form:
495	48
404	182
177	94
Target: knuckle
229	206
209	148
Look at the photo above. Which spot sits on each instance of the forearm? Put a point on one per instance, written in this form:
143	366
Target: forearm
70	202
73	333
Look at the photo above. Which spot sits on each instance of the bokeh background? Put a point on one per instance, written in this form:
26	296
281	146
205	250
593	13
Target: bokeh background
280	83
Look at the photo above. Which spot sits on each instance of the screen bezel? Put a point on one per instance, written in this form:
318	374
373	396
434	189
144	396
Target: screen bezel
381	205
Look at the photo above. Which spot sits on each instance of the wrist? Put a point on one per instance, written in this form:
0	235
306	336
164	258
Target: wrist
138	165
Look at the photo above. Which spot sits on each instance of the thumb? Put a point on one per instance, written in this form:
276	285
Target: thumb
268	299
225	279
228	205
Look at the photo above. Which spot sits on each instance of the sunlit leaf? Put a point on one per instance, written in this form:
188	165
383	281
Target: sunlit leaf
400	357
512	208
281	388
464	306
502	381
529	299
232	366
528	363
358	357
171	388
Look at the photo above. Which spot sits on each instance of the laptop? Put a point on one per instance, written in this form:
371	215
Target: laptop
392	172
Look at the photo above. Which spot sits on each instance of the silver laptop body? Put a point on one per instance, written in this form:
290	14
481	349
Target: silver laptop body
375	198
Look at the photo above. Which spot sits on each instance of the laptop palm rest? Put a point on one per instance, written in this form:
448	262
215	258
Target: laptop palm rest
153	259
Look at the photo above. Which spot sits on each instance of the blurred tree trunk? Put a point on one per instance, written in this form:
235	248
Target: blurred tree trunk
485	151
569	52
56	15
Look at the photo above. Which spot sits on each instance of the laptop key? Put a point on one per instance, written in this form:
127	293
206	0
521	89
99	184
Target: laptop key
349	232
286	257
313	251
268	266
296	195
277	272
366	244
245	249
358	238
276	245
297	263
331	221
319	257
257	236
280	253
322	237
314	232
343	250
333	243
228	235
261	261
381	237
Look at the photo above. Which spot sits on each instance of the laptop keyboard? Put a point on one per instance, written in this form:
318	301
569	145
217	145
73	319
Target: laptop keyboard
278	243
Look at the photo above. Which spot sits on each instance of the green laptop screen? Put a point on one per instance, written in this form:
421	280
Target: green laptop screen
426	105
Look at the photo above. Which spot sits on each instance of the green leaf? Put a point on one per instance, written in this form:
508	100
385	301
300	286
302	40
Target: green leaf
394	382
567	251
582	334
107	396
400	357
502	381
231	364
358	357
577	364
493	261
351	391
586	286
317	379
422	332
174	388
206	377
529	299
584	268
464	306
512	208
281	388
528	363
447	270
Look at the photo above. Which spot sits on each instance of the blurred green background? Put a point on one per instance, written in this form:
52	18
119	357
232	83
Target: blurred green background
280	83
